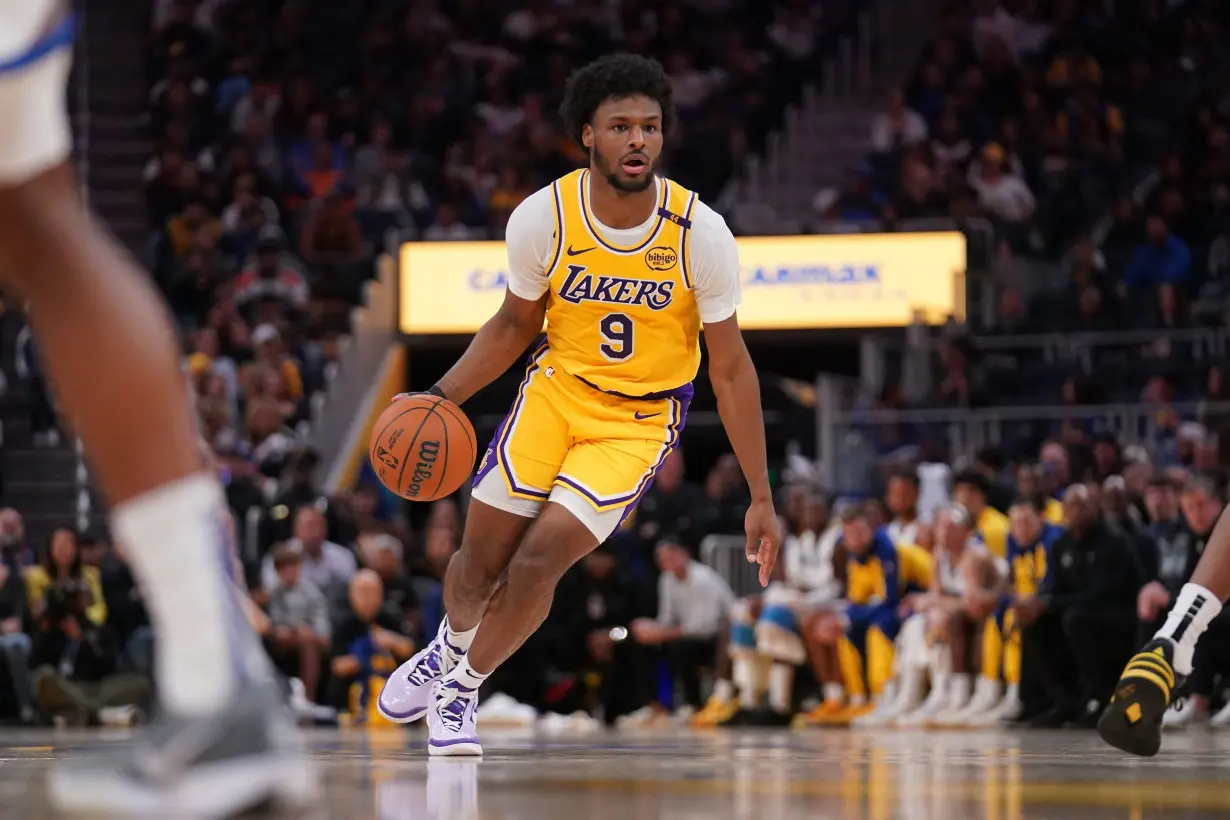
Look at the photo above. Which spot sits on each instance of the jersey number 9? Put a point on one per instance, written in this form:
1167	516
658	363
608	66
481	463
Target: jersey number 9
616	330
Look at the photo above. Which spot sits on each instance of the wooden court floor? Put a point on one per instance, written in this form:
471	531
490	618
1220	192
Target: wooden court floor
748	775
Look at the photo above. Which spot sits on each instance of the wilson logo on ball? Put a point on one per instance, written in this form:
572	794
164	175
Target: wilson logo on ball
429	451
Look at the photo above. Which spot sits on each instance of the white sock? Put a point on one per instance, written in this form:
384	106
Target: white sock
858	700
176	541
743	673
723	690
459	642
834	692
464	674
1190	616
781	684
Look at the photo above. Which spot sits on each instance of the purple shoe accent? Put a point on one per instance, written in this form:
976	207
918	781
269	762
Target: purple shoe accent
444	743
406	716
458	652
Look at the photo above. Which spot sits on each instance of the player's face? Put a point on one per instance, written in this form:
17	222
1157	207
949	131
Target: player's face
625	140
856	536
1025	523
1200	511
901	496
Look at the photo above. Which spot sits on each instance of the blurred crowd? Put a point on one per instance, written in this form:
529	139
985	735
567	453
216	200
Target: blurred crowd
1044	118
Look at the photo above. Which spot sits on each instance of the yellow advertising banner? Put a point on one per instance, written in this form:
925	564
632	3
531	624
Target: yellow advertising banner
789	282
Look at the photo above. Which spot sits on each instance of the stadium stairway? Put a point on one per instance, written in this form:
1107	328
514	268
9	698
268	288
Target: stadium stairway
111	134
830	131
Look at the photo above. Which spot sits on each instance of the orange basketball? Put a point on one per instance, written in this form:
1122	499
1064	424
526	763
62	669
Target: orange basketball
423	447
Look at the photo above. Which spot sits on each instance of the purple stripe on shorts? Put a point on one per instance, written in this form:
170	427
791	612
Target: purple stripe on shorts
498	442
680	400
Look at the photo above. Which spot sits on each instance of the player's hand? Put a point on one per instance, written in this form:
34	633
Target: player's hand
433	391
764	537
1153	598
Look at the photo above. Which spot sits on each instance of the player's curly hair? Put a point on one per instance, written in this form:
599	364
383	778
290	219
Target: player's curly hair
614	77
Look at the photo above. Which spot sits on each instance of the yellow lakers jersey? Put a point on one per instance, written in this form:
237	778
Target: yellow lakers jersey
622	318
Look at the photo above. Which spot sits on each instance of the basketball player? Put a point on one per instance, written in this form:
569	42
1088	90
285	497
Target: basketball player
766	640
626	266
222	743
1153	677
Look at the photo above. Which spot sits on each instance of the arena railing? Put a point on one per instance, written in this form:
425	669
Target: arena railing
725	555
854	444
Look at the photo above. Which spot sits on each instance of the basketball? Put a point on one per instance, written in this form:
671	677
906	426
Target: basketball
423	447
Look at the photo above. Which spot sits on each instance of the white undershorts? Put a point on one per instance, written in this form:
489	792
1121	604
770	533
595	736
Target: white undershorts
492	490
36	57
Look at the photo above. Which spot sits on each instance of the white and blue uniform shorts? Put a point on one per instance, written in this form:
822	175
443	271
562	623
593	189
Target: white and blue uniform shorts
36	51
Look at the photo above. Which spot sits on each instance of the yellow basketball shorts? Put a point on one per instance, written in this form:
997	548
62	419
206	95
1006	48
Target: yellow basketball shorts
593	452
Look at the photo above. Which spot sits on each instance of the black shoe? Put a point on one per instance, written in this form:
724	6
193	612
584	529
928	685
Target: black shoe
1133	720
1056	718
743	717
756	718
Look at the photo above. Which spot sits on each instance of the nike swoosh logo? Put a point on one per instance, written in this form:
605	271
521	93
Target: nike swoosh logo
643	416
572	252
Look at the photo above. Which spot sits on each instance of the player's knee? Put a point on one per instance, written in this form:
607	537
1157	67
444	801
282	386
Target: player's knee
824	629
536	565
472	574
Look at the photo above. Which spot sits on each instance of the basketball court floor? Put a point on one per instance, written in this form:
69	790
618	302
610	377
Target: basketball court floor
748	775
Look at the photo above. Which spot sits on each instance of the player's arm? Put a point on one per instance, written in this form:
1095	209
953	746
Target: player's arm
504	337
498	343
714	261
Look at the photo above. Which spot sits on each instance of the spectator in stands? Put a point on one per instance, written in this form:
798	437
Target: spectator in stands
1002	194
592	603
1167	571
61	584
367	645
672	504
299	615
15	644
126	614
901	498
14	552
726	498
1157	270
326	565
383	553
897	127
1080	626
972	490
447	225
74	653
272	274
693	603
965	588
331	235
270	354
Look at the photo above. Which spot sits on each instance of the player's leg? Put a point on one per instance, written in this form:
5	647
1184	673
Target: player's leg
735	670
822	635
512	482
556	540
911	656
1133	719
779	642
109	347
597	482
